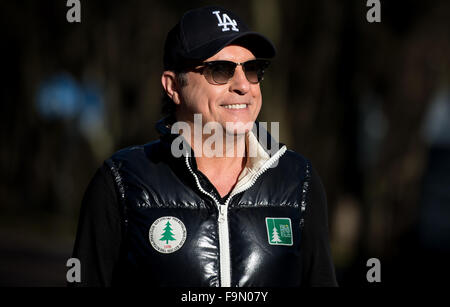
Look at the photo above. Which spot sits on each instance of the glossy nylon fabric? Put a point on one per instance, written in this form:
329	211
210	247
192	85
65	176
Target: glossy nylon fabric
153	184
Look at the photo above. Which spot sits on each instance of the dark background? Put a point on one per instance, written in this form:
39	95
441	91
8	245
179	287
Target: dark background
367	103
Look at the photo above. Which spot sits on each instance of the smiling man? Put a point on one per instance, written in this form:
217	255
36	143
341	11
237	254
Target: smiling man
252	214
224	89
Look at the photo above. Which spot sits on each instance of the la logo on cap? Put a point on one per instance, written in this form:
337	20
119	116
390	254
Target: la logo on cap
226	21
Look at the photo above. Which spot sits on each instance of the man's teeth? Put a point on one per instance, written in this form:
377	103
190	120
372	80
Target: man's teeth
235	106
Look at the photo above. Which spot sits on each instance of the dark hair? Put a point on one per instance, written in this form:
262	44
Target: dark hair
168	106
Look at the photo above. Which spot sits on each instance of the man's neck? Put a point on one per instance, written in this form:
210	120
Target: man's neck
222	169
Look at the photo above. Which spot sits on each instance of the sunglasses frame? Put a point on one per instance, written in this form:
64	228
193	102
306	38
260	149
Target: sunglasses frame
206	70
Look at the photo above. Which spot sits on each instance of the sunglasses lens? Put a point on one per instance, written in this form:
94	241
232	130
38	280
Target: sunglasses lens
222	72
254	70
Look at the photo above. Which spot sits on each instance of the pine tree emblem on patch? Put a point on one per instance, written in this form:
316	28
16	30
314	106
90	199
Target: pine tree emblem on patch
279	231
167	234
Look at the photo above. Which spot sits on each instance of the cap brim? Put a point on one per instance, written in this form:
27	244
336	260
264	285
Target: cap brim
258	44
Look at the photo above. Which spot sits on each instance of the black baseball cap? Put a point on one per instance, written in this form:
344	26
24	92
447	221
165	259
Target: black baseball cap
203	32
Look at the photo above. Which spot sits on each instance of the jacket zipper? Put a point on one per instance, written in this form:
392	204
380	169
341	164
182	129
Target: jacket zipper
224	240
224	252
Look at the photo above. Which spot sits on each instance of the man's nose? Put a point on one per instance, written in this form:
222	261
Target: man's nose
239	82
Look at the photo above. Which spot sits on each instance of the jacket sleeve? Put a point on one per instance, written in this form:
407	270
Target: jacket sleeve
318	267
97	243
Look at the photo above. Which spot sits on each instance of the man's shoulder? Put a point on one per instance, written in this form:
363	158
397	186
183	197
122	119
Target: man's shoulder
136	152
293	165
294	159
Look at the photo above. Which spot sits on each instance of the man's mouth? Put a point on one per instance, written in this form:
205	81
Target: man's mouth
235	106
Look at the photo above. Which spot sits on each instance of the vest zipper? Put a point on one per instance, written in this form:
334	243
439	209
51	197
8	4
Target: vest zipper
224	239
224	247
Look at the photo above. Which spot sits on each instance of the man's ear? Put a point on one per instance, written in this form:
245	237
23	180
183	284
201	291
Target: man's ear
170	85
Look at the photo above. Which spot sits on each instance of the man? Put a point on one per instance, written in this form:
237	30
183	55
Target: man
219	207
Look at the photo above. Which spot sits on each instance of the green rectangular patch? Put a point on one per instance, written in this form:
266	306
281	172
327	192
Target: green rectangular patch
279	230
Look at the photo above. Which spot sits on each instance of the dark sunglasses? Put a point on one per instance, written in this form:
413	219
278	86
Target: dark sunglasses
220	72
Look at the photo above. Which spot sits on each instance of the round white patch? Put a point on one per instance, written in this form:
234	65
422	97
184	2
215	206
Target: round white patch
167	234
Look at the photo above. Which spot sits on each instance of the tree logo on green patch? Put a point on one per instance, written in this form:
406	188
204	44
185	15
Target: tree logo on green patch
167	234
279	230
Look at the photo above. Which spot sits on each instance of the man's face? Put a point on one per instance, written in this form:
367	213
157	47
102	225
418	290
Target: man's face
222	103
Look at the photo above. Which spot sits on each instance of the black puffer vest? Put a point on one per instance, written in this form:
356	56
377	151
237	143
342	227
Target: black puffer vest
179	233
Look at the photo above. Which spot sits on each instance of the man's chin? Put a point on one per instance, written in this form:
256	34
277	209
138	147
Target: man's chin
238	128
